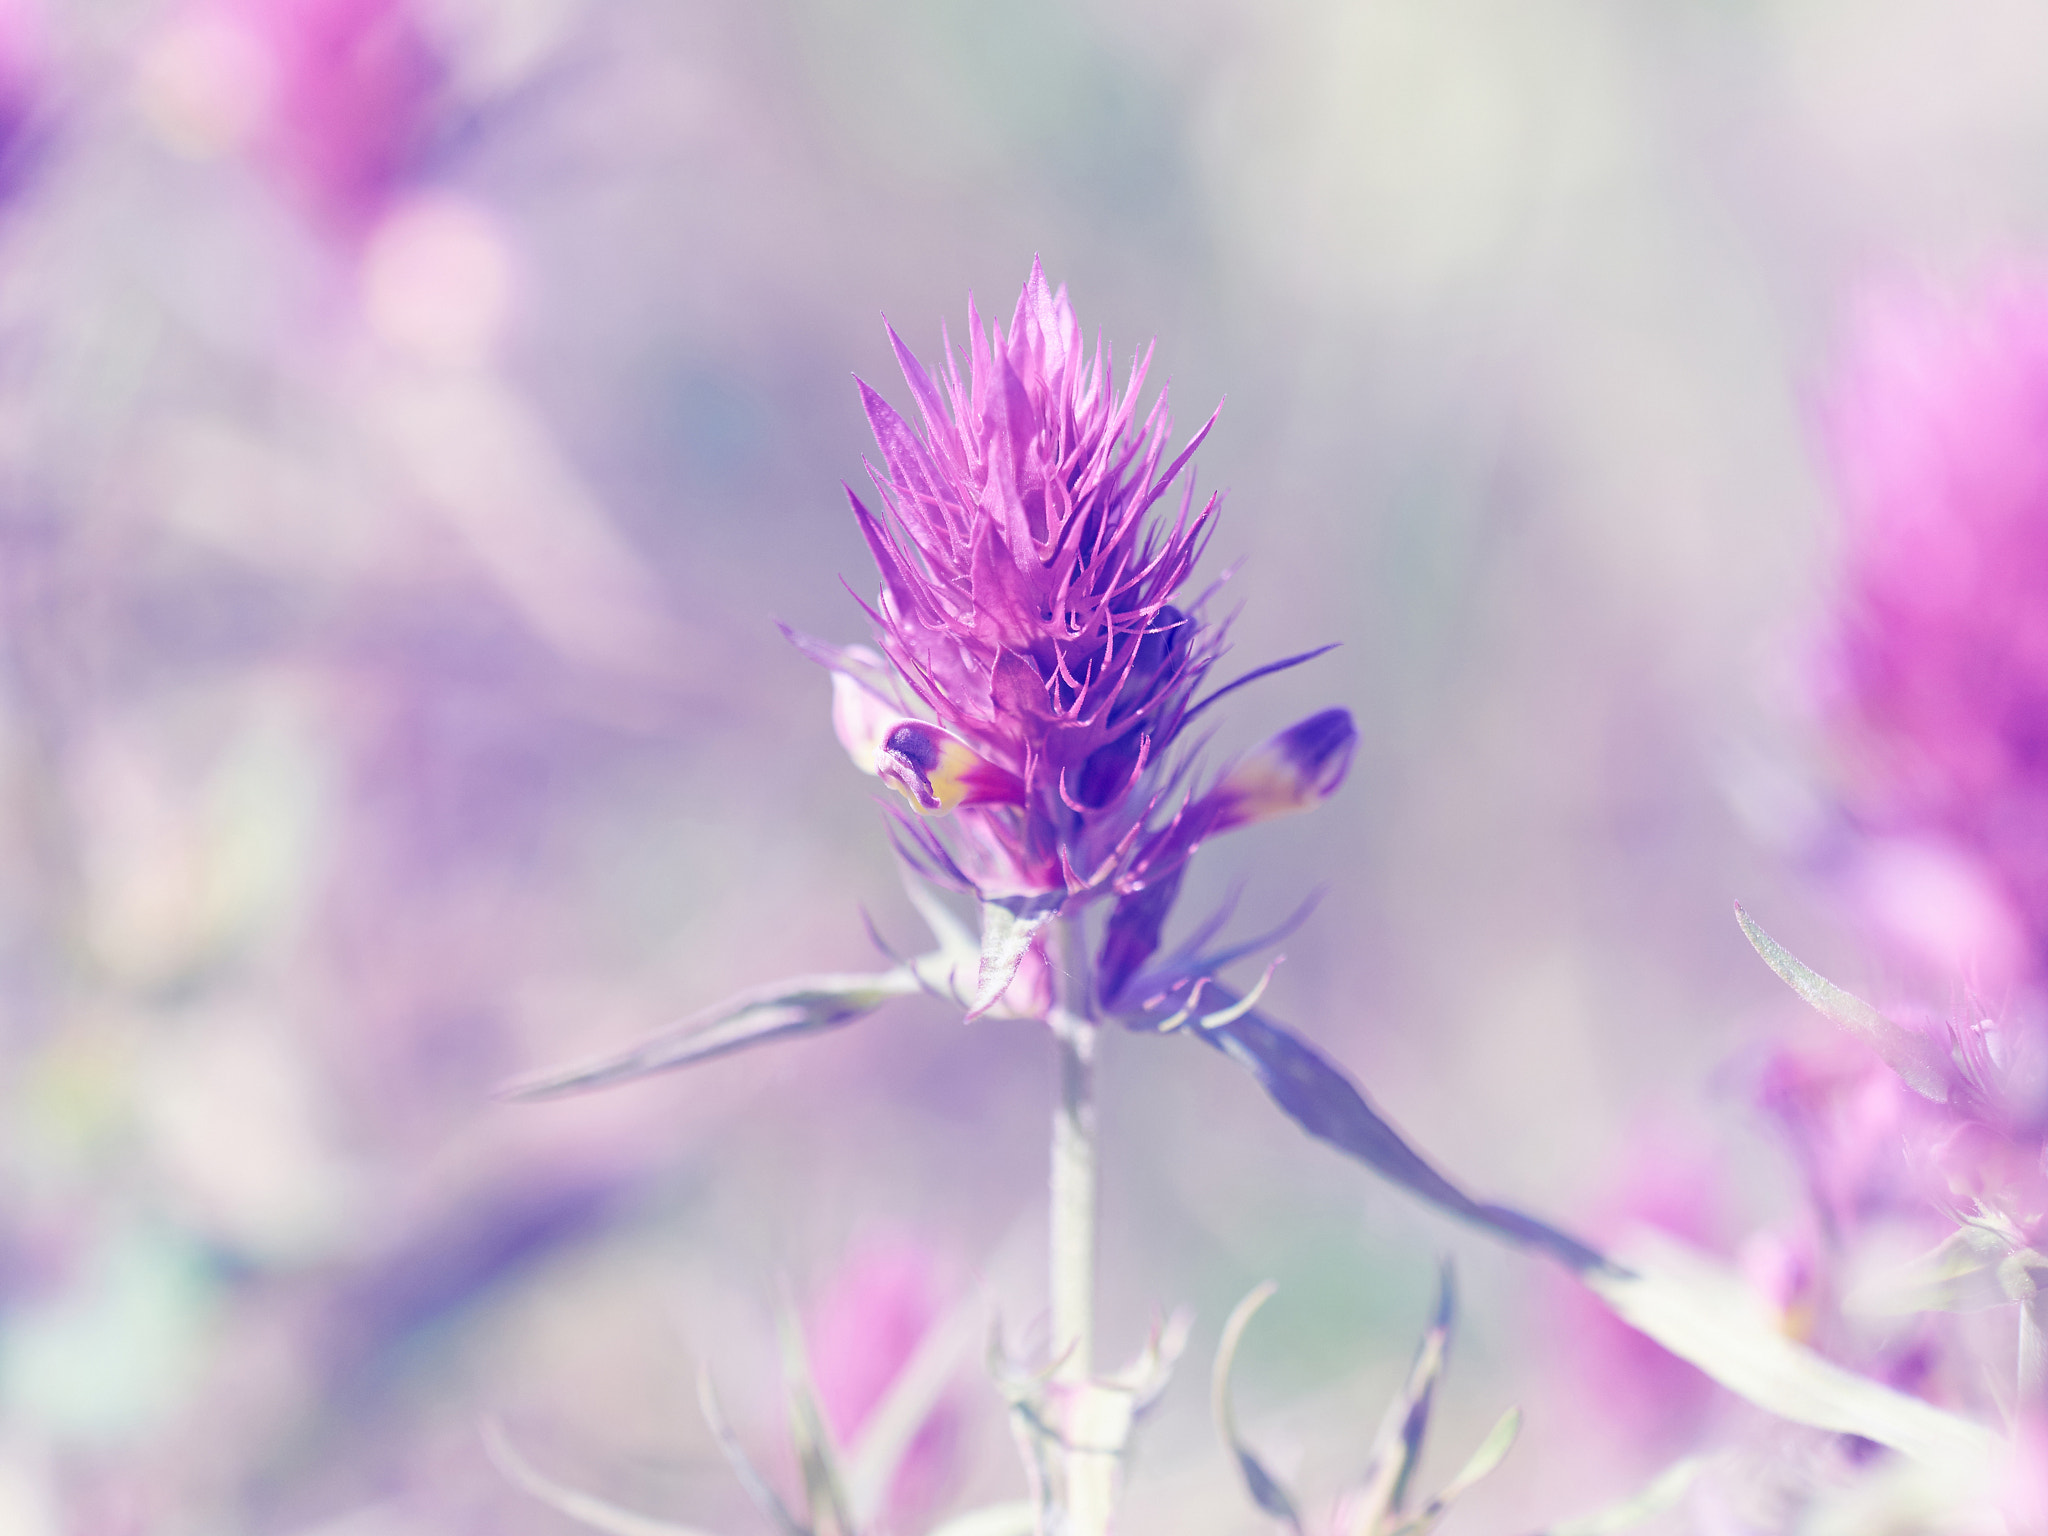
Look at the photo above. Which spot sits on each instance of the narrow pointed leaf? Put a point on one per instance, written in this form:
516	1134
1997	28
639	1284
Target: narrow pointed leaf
860	662
952	935
1132	934
1398	1446
1710	1316
1689	1313
1253	676
1265	1489
584	1508
1008	925
806	1005
1147	1377
1318	1097
817	1457
1671	1485
1492	1451
1918	1060
758	1488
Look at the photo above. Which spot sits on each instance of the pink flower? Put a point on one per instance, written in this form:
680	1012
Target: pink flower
336	99
21	78
1647	1401
874	1314
1939	649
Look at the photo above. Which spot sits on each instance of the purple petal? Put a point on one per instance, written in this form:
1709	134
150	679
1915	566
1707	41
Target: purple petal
920	382
1253	676
1132	935
910	466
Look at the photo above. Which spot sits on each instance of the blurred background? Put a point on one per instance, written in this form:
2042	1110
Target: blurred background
414	417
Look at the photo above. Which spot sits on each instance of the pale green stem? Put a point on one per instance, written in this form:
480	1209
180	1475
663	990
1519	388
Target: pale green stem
2033	1350
1073	1159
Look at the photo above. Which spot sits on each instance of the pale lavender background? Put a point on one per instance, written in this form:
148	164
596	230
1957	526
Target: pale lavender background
352	764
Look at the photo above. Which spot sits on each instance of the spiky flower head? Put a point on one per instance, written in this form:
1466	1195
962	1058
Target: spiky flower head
1039	661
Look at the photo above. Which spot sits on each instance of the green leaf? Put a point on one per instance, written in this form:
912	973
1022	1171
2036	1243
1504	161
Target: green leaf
1709	1316
1701	1316
816	1455
1398	1445
807	1005
1917	1059
1321	1098
583	1508
1265	1489
1008	925
1492	1452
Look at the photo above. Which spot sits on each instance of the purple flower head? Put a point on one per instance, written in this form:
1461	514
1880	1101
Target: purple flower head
1849	1121
1937	691
1938	660
1875	1150
1039	661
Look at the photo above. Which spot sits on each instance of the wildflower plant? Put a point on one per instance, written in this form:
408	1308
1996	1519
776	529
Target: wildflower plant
1039	660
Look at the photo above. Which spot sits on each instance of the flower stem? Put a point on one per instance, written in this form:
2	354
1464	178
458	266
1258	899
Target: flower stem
2033	1349
1074	1172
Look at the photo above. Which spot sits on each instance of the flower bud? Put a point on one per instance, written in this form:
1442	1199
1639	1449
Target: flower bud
1295	771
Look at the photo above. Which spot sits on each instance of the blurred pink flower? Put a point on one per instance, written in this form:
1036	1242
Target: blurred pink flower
22	66
1647	1402
1935	685
873	1315
1937	676
1873	1149
337	99
1849	1120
